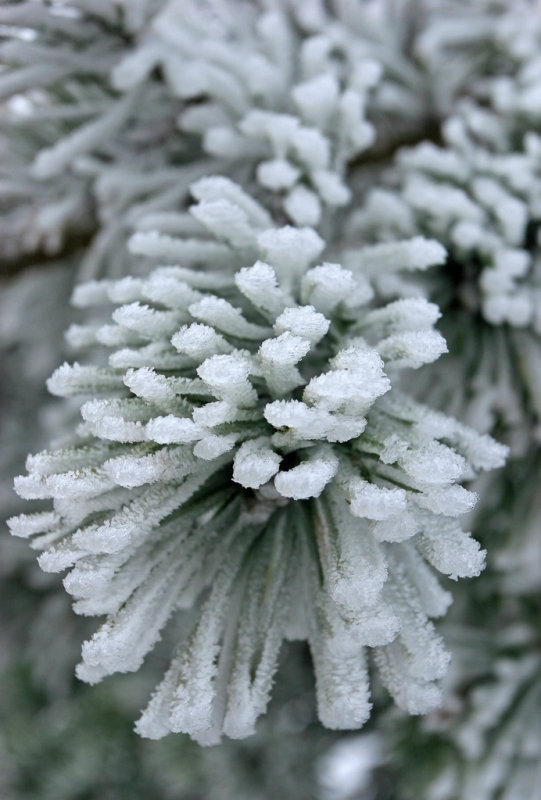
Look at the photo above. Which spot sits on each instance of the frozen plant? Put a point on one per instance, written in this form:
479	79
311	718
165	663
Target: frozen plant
494	45
63	743
499	739
242	449
251	451
480	194
111	107
80	156
286	102
485	742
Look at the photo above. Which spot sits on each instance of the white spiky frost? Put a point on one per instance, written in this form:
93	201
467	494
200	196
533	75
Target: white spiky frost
477	193
182	492
497	735
297	111
250	434
119	97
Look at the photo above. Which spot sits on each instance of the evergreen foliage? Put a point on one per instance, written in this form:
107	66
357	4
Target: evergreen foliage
302	242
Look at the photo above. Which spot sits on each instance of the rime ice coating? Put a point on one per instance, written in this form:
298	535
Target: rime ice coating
478	193
244	451
124	108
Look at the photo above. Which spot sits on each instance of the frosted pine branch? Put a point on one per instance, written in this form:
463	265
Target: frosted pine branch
110	102
478	194
485	740
243	449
